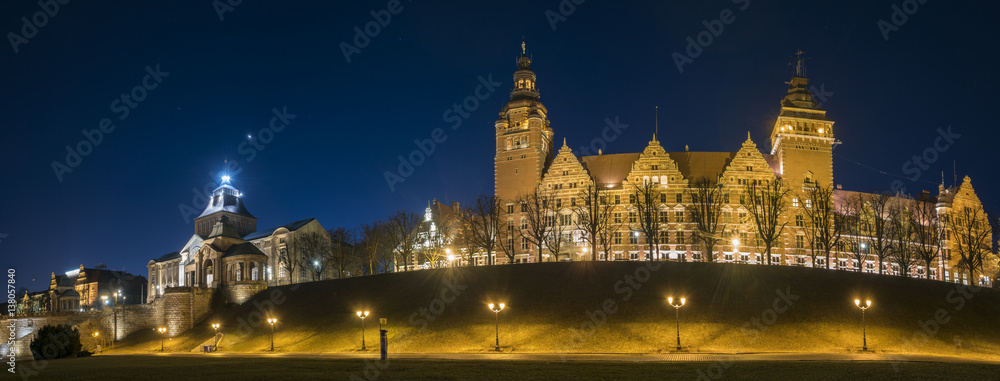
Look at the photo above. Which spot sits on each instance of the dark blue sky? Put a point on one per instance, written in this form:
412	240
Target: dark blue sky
608	59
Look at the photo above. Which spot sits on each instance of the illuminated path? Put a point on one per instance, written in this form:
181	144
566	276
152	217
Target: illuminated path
603	357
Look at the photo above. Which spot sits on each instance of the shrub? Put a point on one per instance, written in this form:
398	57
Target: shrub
84	353
55	341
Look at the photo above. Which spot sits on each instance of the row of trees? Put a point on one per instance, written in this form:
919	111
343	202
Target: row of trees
880	226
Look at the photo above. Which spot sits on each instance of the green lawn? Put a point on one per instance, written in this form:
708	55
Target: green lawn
221	368
610	307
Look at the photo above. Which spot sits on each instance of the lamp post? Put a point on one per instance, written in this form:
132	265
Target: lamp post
162	331
677	316
215	326
271	321
362	315
496	308
864	334
114	312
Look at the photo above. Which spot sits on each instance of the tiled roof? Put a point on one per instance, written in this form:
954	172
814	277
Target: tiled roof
291	227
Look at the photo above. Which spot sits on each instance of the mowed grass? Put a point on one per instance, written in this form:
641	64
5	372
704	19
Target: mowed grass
223	368
609	307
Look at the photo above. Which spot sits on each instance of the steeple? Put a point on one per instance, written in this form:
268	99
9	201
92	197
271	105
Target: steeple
226	201
802	137
524	78
523	136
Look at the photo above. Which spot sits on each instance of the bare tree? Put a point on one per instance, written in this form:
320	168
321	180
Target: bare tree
555	239
926	234
594	217
876	226
765	201
647	208
286	260
313	253
969	230
506	237
484	223
372	245
825	225
903	229
854	234
535	210
707	198
342	253
403	228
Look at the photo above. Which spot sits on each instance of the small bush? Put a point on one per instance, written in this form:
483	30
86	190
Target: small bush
55	341
84	353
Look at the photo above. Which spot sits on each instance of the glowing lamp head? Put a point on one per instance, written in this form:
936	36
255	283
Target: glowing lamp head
362	314
271	321
857	302
225	178
215	326
736	241
162	329
868	303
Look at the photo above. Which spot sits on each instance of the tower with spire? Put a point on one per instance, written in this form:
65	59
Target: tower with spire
523	136
802	138
226	201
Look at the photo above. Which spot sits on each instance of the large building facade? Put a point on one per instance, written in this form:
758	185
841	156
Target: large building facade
227	251
800	157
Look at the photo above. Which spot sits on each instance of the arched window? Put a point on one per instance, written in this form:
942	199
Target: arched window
253	271
239	272
209	273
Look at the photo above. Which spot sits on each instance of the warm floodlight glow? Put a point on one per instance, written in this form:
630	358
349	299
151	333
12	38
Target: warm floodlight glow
451	257
736	241
820	130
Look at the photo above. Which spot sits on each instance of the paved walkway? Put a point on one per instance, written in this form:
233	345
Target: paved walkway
613	357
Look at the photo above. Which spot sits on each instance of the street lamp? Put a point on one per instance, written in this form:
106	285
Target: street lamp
677	316
864	334
162	331
362	315
114	311
496	311
271	321
215	326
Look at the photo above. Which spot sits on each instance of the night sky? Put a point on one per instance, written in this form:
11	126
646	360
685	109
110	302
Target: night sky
220	81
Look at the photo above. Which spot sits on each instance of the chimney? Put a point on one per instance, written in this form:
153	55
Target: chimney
454	206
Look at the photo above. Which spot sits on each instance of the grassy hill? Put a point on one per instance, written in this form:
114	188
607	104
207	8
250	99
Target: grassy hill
611	307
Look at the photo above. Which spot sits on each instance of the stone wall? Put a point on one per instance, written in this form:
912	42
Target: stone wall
240	293
184	307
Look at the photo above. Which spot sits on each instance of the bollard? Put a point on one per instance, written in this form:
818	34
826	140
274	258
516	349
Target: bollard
383	339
